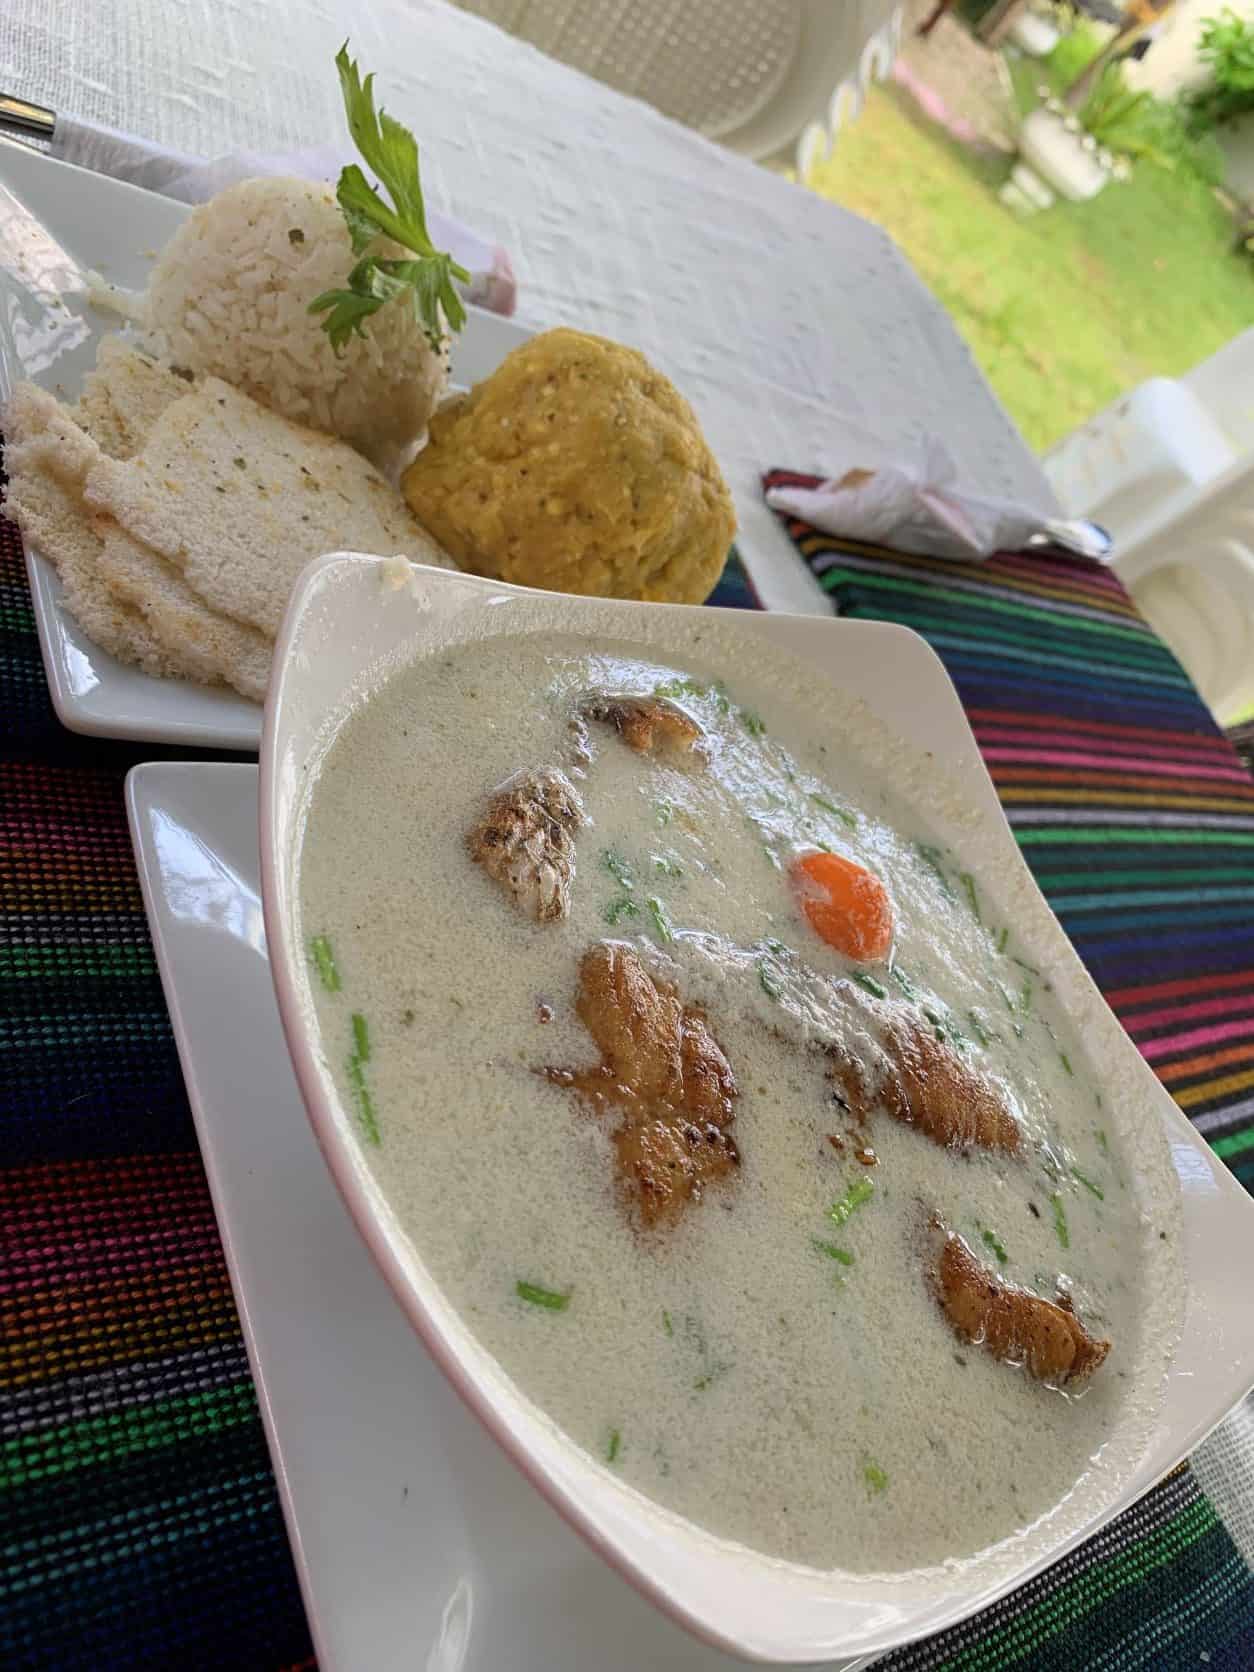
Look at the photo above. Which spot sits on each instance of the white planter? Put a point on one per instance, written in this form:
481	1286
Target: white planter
1055	153
1035	36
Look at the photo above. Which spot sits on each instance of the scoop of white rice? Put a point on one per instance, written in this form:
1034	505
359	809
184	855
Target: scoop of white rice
229	297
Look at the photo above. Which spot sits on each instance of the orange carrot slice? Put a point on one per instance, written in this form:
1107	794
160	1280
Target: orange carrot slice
845	904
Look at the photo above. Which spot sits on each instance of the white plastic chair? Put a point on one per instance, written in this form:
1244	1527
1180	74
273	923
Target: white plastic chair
748	73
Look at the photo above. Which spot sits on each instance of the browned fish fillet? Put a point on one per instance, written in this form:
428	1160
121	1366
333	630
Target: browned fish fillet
928	1086
525	840
651	726
664	1069
1011	1323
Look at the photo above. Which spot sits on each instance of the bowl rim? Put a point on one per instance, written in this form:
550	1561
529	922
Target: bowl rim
886	1617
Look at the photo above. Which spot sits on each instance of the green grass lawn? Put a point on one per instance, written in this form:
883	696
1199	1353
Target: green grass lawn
1070	308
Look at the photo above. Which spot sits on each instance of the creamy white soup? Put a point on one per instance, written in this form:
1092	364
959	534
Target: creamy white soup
722	1101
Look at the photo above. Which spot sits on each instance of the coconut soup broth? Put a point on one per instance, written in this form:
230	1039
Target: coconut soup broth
773	1365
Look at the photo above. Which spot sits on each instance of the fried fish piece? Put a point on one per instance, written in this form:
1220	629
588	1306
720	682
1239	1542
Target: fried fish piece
663	1068
525	840
651	726
925	1084
1011	1323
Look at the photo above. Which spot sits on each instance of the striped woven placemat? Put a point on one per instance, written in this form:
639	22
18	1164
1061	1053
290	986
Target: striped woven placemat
139	1522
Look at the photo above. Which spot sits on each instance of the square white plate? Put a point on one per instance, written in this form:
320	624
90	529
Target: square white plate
418	1545
57	222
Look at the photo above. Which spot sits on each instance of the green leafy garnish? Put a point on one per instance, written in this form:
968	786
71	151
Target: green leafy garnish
1002	939
972	894
876	988
361	1037
1065	1060
768	984
860	1191
668	867
536	1296
324	963
934	860
993	1241
366	1117
1060	1220
666	1322
614	1447
623	907
1025	996
664	811
661	922
1088	1184
978	1028
874	1476
903	981
1103	1142
681	688
842	813
753	723
833	1251
618	868
391	151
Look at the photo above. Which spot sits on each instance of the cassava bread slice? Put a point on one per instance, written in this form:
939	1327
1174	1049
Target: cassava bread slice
240	499
123	398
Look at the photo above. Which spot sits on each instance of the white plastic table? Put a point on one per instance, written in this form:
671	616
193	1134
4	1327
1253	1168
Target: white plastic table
775	312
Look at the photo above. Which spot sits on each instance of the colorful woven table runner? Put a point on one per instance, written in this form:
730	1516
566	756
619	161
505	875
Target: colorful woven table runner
139	1522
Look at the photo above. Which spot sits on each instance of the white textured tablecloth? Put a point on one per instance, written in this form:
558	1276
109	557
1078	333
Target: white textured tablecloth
773	311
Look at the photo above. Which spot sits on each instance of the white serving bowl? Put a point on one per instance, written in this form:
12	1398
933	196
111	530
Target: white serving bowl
348	626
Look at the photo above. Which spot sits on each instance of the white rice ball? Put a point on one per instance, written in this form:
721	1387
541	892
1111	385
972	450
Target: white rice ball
229	297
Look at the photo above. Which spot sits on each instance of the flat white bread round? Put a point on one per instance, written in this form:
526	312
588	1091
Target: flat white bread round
240	499
50	515
211	646
125	395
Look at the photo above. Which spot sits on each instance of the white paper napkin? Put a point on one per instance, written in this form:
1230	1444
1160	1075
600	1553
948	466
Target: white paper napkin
911	502
194	180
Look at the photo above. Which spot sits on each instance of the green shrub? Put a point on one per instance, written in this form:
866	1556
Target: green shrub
1153	130
1227	45
1073	55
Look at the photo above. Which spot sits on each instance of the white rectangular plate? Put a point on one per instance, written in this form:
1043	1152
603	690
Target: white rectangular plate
417	1544
56	223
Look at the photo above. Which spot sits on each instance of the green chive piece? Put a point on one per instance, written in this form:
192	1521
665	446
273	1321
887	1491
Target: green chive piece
615	1446
934	860
665	811
1065	1060
833	1251
1103	1142
1002	940
978	1028
1024	965
973	898
622	907
769	986
841	813
366	1117
1025	997
1060	1220
903	981
324	961
618	868
681	688
752	722
860	1191
361	1037
661	922
667	866
666	1322
876	988
1088	1184
536	1296
874	1476
993	1241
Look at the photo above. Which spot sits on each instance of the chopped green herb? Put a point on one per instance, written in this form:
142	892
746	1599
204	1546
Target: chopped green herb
978	1028
874	1476
536	1296
1088	1184
324	962
769	986
776	946
1002	939
668	867
993	1241
903	981
366	1117
860	1191
842	813
666	1322
1103	1142
618	868
361	1037
664	811
614	1447
1011	1005
1024	965
661	922
944	1026
969	888
752	722
624	906
681	688
833	1251
1065	1060
876	988
1060	1220
772	856
1025	997
720	697
391	152
933	859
